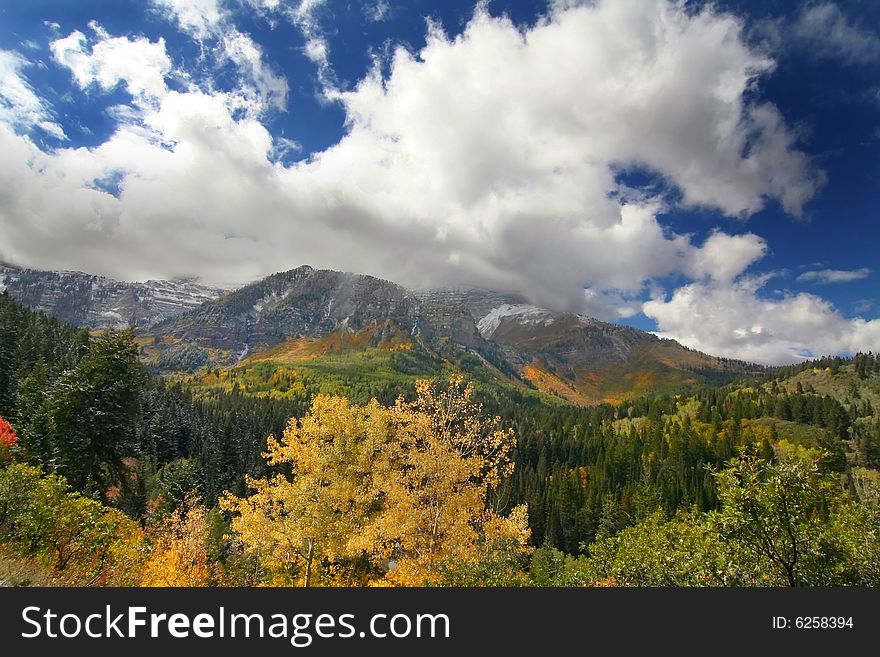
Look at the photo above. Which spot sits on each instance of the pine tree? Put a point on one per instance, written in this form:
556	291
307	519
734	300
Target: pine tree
93	412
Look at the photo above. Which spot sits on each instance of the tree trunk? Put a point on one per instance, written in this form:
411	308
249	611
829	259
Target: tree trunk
309	556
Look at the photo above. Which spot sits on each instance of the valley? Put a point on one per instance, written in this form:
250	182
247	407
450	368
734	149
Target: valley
613	441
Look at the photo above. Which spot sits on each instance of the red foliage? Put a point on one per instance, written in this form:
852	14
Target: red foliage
8	437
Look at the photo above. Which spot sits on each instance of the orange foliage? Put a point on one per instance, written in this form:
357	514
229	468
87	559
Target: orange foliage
340	341
547	382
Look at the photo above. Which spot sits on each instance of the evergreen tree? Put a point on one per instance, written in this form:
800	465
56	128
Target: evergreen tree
93	411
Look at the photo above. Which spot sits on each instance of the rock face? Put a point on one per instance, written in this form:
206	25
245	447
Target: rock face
578	357
98	302
184	326
525	331
302	302
313	303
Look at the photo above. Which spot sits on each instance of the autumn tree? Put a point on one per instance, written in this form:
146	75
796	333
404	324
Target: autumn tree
8	441
434	479
179	556
295	522
405	486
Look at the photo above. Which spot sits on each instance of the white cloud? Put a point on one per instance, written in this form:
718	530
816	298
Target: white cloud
824	31
206	22
377	10
20	106
735	321
270	88
304	15
822	276
724	257
138	63
486	159
199	18
317	48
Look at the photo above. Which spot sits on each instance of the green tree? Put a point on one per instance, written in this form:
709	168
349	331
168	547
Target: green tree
783	519
93	410
656	552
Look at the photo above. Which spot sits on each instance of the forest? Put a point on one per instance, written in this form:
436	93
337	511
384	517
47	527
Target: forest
112	475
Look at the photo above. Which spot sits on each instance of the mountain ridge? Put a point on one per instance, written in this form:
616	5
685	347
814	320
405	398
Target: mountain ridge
309	313
100	302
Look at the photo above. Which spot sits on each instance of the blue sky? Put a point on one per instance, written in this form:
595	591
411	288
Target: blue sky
709	173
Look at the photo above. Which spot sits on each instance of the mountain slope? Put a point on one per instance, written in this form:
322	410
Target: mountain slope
308	312
320	316
309	315
580	358
97	302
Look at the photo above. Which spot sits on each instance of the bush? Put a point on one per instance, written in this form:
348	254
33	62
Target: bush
78	539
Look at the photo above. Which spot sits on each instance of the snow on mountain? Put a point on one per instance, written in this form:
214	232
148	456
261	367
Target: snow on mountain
98	302
524	313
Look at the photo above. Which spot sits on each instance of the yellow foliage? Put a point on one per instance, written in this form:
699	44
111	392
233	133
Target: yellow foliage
180	556
292	524
405	486
434	478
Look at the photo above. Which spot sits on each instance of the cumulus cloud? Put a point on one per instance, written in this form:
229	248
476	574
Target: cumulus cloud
20	106
490	158
726	312
823	276
736	321
138	63
724	257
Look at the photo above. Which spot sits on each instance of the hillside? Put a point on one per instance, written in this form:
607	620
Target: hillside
600	487
582	359
325	321
319	322
98	302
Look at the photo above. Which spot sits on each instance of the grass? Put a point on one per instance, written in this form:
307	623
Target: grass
20	571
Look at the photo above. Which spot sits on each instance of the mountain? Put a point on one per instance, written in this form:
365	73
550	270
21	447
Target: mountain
580	358
97	302
338	323
309	316
307	312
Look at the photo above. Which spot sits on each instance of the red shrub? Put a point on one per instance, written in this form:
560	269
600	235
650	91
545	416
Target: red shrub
8	441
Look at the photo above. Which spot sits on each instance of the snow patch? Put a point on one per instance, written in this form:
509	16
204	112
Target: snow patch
242	354
525	314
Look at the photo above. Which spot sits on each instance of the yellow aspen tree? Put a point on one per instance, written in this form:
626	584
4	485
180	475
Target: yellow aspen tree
180	554
434	477
405	486
295	523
